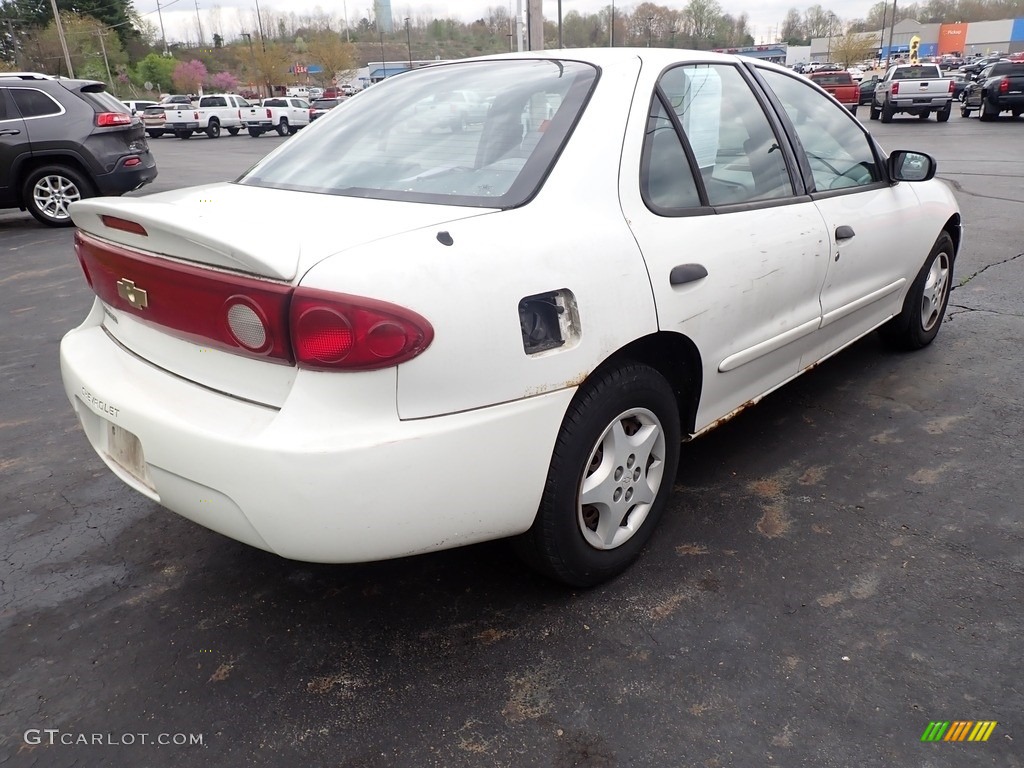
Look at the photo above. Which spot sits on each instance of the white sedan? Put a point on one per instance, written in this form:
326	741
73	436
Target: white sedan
520	320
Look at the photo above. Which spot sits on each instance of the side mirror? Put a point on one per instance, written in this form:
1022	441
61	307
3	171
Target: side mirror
905	165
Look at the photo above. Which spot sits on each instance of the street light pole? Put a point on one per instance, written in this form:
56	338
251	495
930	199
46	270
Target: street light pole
383	63
163	35
611	30
560	23
650	30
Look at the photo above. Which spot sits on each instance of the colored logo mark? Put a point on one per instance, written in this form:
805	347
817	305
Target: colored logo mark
959	730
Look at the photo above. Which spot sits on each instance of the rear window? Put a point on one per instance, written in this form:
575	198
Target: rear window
325	103
408	139
275	103
839	78
916	73
101	101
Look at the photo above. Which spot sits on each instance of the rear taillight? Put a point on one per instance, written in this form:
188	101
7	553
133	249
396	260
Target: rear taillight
107	119
895	89
269	115
952	86
333	331
195	115
1004	86
247	316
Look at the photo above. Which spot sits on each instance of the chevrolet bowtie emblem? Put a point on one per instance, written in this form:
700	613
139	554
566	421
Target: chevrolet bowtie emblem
134	295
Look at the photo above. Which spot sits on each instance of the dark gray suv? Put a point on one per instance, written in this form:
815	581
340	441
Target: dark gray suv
65	140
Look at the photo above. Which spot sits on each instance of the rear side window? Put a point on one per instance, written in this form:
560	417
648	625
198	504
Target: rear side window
732	140
34	103
3	105
101	101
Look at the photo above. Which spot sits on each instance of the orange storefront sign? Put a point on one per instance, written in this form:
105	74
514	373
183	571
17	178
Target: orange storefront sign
952	38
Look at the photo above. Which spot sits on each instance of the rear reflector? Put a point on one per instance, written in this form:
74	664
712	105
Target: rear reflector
106	119
273	321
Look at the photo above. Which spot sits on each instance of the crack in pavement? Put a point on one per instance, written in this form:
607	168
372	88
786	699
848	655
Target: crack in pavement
960	188
951	315
968	279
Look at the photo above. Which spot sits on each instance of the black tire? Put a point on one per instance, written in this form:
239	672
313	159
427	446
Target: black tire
965	112
888	111
234	131
875	112
853	110
213	129
58	186
255	132
925	306
282	127
183	134
566	541
154	134
986	113
924	115
943	114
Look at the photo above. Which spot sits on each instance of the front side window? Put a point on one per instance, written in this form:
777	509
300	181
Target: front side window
476	134
34	103
837	149
732	140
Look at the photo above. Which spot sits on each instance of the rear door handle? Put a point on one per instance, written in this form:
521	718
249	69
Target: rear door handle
9	132
687	273
844	233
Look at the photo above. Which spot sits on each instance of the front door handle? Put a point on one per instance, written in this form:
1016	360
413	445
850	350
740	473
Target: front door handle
686	273
844	233
9	132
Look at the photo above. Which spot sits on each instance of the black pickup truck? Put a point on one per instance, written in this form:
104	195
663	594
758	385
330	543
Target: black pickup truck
999	88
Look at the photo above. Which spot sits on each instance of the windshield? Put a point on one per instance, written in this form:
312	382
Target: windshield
475	133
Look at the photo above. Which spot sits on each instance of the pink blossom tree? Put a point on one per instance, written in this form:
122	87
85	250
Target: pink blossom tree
224	82
189	76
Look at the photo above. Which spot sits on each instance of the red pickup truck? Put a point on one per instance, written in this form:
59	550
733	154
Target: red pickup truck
840	85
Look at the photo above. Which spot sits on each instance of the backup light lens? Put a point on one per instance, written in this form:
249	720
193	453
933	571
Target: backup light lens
246	325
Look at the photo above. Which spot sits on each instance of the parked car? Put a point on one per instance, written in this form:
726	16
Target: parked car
960	82
137	106
840	85
315	93
917	89
975	66
455	363
66	140
154	119
284	114
866	89
856	73
213	113
999	88
180	98
452	110
321	107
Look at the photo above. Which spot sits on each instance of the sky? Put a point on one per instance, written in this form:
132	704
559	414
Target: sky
179	16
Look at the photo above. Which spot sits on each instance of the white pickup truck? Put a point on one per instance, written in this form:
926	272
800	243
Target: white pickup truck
284	114
919	89
213	113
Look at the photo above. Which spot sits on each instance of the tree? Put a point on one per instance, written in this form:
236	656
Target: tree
793	28
156	69
224	82
189	76
83	38
702	17
116	14
851	47
333	56
269	64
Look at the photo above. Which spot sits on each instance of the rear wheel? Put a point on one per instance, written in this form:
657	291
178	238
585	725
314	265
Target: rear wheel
49	190
943	114
213	129
155	134
925	306
986	112
887	112
611	473
282	127
234	131
255	132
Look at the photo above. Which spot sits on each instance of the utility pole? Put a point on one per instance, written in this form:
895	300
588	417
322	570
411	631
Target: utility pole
259	21
63	41
383	63
881	36
344	8
892	26
14	43
560	24
101	34
611	28
408	41
163	35
199	24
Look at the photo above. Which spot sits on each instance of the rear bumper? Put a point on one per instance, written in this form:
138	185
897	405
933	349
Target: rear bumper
330	477
124	179
923	102
190	126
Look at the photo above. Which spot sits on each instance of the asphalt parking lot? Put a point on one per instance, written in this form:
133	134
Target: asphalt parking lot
840	566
